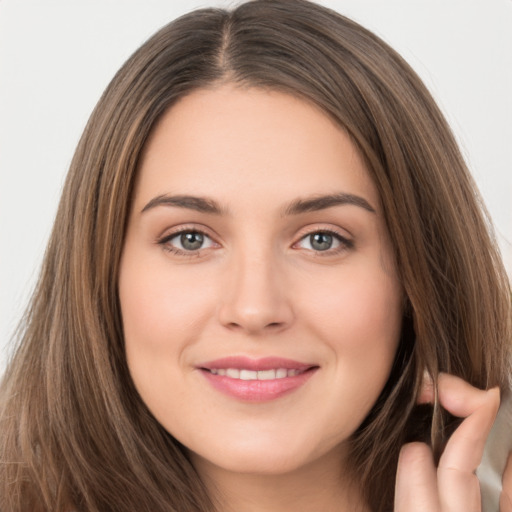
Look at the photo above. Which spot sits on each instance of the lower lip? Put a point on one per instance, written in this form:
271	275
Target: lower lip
257	390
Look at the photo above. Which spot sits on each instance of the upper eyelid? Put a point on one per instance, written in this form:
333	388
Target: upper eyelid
346	242
324	228
302	233
164	242
169	233
170	236
341	238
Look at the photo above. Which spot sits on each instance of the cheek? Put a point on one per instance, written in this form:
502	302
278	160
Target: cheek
162	313
359	313
361	321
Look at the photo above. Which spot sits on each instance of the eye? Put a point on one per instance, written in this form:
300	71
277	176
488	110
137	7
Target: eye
324	241
187	241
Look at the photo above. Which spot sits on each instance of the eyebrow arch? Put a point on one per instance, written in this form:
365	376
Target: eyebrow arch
321	202
200	204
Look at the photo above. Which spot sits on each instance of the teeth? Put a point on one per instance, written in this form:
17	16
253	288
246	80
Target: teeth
235	373
267	374
248	375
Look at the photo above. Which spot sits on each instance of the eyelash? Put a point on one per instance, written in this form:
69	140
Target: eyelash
164	242
344	243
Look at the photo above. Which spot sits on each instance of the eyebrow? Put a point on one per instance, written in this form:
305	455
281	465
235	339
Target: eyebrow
200	204
327	201
207	205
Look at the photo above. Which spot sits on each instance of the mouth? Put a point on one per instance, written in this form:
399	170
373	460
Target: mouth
244	374
257	380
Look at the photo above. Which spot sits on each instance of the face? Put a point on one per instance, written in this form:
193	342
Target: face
260	304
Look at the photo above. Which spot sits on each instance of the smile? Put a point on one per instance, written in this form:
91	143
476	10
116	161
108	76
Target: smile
235	373
256	380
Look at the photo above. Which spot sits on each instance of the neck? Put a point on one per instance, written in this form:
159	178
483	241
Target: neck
320	485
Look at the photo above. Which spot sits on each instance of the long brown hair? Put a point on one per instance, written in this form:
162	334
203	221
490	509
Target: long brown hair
73	431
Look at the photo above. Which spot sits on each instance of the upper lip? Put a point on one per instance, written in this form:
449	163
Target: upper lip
248	363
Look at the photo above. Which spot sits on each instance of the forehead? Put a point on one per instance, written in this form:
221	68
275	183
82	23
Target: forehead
231	142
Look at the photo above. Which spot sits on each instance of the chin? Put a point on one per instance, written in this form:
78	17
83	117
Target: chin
266	457
257	463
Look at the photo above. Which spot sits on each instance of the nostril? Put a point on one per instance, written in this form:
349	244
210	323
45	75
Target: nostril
272	326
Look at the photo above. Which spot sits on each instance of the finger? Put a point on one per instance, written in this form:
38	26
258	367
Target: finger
426	395
416	486
506	493
505	503
459	489
461	398
465	447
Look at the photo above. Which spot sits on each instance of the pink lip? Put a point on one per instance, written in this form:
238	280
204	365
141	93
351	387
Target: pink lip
256	390
247	363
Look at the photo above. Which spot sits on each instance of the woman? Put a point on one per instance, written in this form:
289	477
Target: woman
268	252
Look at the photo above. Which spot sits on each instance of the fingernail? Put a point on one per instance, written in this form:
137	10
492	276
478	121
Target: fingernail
426	395
495	389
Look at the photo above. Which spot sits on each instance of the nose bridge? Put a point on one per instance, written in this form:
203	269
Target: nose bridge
255	297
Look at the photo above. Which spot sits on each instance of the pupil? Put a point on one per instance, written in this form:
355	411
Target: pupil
191	241
321	241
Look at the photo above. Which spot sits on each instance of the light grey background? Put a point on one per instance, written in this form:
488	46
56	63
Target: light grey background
56	57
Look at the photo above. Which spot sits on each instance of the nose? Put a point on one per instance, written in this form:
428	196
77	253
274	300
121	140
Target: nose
254	297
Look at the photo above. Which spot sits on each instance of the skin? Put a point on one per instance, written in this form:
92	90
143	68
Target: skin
506	495
453	485
259	287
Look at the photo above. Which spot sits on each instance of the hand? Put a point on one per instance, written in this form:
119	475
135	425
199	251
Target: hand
453	486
